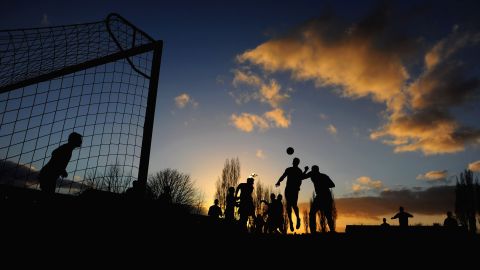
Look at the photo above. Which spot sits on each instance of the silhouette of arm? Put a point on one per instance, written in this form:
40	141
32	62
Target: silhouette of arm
281	178
330	182
409	215
305	174
236	191
394	217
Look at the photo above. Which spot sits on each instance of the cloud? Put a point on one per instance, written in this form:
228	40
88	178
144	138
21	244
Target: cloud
367	59
444	84
247	122
324	51
474	166
277	116
365	183
183	100
323	116
434	176
18	175
332	129
260	154
267	92
431	201
246	77
45	21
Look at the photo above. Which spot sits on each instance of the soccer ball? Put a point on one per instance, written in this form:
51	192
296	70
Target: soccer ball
289	150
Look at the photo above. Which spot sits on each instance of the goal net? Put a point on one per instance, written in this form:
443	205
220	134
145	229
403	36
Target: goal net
98	79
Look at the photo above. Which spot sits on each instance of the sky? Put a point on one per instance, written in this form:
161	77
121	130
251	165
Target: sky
381	95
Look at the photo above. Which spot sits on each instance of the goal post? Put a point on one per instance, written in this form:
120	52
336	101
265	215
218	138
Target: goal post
99	79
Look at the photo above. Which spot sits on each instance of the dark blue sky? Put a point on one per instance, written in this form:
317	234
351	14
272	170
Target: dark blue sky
327	125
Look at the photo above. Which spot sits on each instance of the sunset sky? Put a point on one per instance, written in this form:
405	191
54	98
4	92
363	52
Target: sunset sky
382	95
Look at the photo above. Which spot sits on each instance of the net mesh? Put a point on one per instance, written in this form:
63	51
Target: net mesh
106	103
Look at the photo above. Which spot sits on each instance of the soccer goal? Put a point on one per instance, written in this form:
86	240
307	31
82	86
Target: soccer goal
98	79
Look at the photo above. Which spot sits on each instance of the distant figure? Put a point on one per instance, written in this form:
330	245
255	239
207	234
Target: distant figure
57	165
278	208
166	197
246	207
294	179
214	210
230	205
323	200
134	192
402	217
385	225
450	221
272	219
259	224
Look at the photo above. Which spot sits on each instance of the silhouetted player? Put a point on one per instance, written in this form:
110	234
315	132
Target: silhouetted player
246	207
57	165
214	210
230	205
323	200
402	217
450	221
279	213
385	225
294	179
272	219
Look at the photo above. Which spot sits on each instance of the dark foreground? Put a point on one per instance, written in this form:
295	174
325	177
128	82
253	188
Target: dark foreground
119	229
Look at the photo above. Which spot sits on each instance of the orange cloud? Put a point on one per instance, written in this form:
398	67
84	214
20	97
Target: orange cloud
260	154
183	100
433	176
365	183
350	60
247	122
332	129
474	166
242	77
267	92
365	60
277	116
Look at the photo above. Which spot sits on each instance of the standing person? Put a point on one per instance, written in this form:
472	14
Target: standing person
230	205
385	225
278	209
450	222
57	165
402	217
246	207
323	200
272	219
294	179
214	210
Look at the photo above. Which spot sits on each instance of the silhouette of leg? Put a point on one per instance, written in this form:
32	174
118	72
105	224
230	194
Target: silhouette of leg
295	208
313	216
331	223
313	221
289	212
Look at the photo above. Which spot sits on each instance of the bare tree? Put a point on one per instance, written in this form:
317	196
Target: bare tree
466	200
258	197
198	207
113	180
181	186
230	177
116	181
305	219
